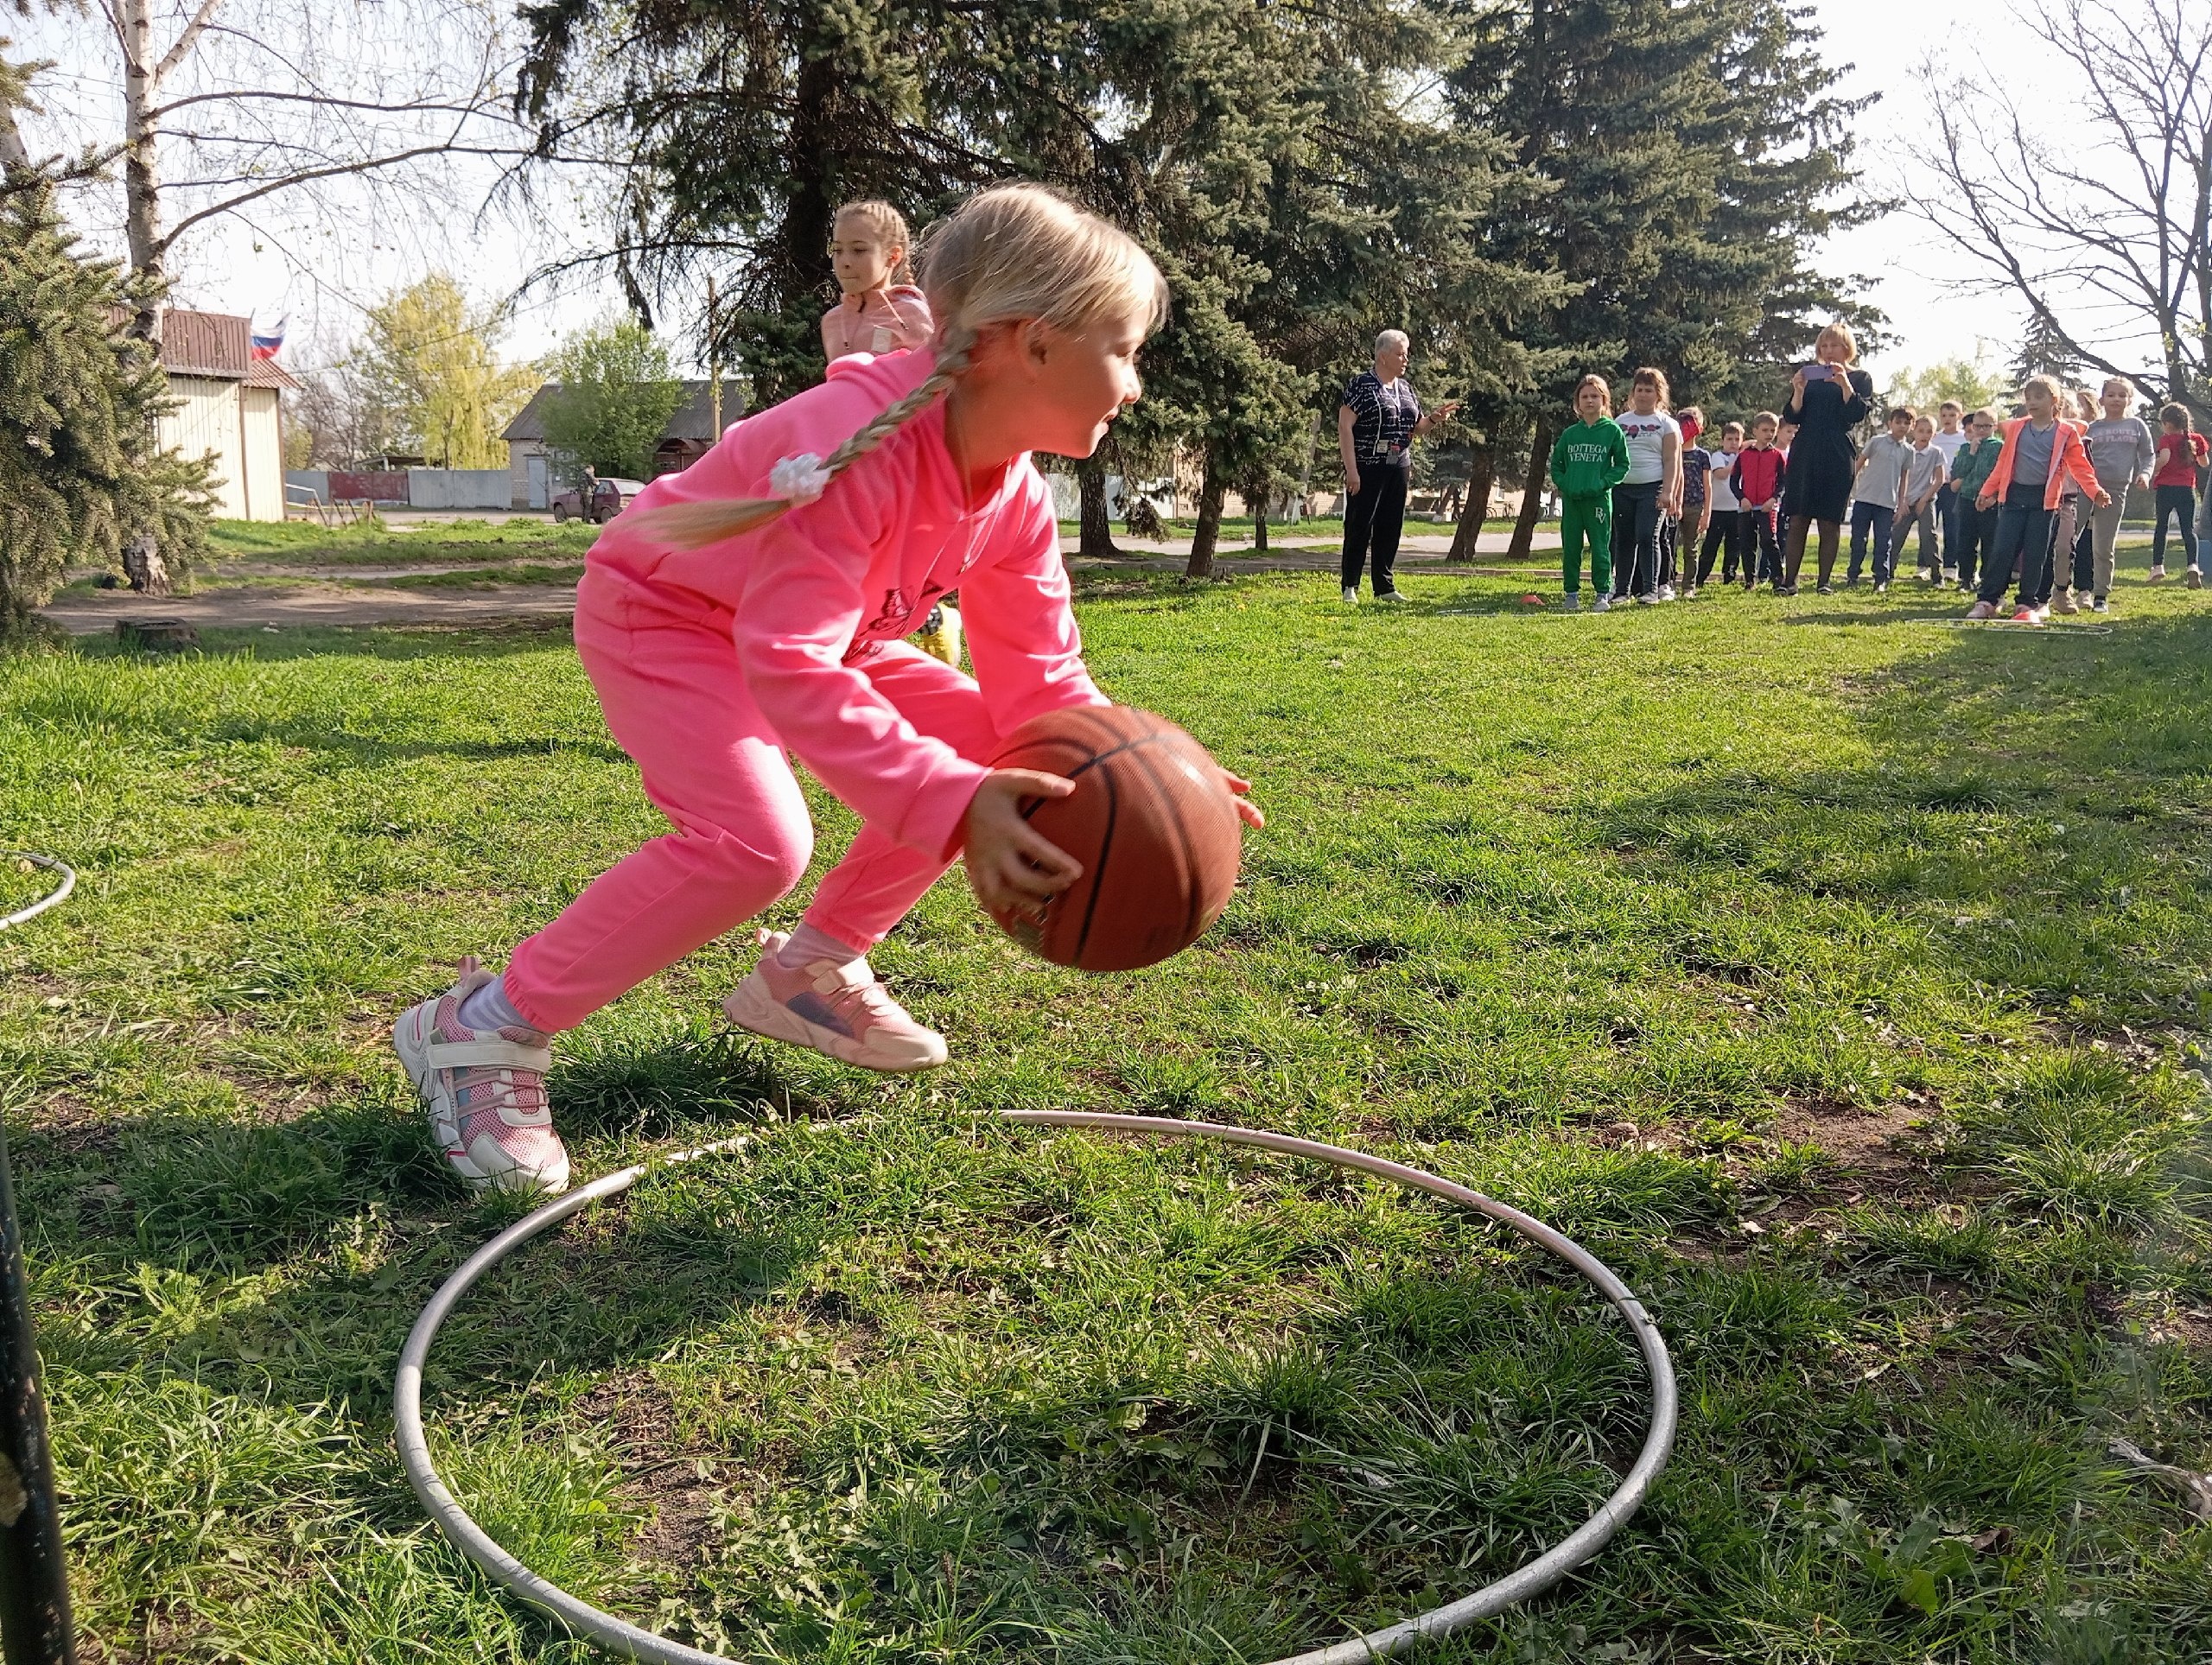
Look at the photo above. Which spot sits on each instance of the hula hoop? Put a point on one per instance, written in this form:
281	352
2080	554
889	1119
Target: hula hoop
628	1641
52	864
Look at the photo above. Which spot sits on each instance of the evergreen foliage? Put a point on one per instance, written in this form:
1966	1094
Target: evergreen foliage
2044	351
1690	157
81	469
617	391
1531	188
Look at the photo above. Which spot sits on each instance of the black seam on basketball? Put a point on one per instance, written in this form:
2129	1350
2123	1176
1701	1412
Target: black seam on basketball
1098	874
1183	838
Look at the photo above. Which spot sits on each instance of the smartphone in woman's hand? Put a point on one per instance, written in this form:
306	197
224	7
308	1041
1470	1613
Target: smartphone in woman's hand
1818	373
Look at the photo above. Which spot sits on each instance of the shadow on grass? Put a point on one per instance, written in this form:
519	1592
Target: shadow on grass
2019	804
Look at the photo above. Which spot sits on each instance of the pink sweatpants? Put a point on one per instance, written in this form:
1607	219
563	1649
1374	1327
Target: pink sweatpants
677	702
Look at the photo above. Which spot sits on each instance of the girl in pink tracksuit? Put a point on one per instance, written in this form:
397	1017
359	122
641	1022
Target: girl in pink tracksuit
751	609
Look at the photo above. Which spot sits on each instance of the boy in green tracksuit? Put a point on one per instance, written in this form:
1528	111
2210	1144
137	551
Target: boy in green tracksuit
1590	459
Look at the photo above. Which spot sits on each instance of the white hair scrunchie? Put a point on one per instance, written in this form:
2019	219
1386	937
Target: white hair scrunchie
801	479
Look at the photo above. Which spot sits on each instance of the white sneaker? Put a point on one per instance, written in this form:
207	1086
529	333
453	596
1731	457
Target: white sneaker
1351	596
1881	590
485	1092
1666	592
2158	573
1603	604
1573	604
1387	595
1690	594
1648	599
840	1010
2196	577
1951	576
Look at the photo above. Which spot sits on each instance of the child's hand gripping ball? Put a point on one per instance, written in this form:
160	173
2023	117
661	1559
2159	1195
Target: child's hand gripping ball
1153	822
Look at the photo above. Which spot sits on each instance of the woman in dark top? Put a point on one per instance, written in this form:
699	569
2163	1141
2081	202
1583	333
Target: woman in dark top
1827	399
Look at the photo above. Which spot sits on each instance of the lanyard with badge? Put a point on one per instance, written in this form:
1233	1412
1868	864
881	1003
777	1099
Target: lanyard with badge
1386	449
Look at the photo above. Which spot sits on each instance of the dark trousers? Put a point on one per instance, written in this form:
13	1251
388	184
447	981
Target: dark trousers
1375	515
2070	512
1635	539
2180	502
1870	517
1947	515
1977	535
2024	529
1726	532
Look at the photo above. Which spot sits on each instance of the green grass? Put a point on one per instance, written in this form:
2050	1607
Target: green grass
1843	982
380	542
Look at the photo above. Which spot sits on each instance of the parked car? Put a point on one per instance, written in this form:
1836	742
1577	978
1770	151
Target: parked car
609	499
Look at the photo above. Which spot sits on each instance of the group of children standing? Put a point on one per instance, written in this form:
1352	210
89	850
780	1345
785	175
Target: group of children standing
1653	508
2040	496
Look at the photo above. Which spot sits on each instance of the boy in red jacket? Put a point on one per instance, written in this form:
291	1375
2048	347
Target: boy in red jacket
1756	478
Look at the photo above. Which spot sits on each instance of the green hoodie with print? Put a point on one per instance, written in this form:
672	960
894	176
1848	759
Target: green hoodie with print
1590	459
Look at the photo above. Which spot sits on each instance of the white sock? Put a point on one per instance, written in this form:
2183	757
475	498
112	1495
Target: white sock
807	946
489	1008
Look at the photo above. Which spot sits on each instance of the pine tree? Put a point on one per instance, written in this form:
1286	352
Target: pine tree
1691	156
80	469
2043	352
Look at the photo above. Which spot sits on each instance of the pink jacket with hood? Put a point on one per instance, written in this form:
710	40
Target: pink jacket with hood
809	598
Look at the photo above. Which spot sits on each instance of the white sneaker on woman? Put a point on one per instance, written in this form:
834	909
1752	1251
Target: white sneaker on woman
1351	596
485	1092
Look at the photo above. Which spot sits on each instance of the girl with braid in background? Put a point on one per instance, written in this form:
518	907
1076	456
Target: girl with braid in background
752	608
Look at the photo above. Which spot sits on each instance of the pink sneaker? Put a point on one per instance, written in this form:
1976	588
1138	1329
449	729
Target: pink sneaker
840	1010
2026	616
485	1093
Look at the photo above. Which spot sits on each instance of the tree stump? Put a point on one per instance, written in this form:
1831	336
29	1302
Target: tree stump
143	564
156	635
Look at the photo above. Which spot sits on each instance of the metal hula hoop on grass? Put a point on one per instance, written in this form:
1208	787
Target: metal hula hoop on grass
628	1641
59	894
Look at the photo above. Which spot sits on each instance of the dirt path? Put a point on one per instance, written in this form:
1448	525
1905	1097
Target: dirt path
247	606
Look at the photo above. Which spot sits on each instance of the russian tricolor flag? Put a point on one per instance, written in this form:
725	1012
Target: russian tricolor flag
268	343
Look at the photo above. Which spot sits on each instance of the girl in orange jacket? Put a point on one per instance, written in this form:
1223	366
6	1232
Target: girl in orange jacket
2040	455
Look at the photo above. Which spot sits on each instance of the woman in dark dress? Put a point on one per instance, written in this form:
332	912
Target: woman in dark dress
1827	399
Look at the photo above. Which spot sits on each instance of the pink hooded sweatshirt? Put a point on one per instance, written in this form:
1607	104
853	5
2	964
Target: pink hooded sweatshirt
809	597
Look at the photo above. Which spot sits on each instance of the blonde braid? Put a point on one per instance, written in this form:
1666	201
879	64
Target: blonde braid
695	526
1009	254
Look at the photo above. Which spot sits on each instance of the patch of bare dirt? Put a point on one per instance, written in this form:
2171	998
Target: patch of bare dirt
1877	1148
676	1490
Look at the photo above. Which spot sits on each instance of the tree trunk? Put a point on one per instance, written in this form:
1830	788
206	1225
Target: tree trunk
817	140
141	183
1532	492
143	566
1260	521
1483	467
1096	543
1208	528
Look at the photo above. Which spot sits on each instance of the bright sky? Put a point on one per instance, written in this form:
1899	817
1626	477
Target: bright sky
322	266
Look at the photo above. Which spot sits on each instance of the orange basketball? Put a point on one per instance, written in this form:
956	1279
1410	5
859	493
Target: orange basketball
1152	821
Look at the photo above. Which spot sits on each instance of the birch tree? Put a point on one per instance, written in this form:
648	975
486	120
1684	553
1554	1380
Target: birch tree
223	104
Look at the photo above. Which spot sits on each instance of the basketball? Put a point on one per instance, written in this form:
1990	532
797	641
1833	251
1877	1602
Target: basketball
1153	824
